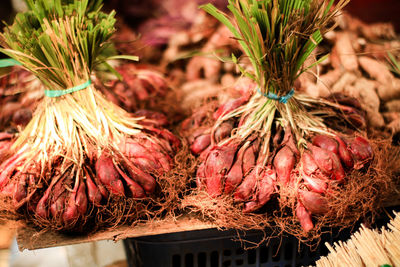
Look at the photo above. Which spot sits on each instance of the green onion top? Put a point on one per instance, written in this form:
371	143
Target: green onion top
277	36
60	41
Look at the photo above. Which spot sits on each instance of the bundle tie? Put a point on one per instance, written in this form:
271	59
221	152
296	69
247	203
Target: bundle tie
58	93
9	62
282	99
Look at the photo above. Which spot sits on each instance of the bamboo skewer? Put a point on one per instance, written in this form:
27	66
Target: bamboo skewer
366	248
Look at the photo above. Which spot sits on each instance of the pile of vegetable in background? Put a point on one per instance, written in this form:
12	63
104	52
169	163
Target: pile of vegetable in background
81	161
276	150
358	58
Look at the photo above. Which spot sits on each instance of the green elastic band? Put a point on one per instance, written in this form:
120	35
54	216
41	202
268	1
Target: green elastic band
9	62
58	93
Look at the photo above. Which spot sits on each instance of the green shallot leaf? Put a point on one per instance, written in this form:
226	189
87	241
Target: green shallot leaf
127	57
277	36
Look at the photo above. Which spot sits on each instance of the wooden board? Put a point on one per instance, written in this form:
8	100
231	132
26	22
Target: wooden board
7	233
30	238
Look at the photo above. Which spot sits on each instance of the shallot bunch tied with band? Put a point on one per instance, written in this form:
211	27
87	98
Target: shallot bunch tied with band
80	156
273	142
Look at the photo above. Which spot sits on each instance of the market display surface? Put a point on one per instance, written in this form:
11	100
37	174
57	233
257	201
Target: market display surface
278	115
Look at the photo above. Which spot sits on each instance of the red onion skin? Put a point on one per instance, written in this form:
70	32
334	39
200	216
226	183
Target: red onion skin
154	81
147	86
94	194
195	120
32	203
9	189
234	176
5	147
143	164
81	200
308	163
326	142
159	152
70	215
224	130
57	201
5	136
164	160
22	116
315	184
57	207
322	158
136	190
218	163
313	202
117	188
284	162
328	162
6	168
344	153
167	135
145	180
156	118
289	141
41	207
251	206
163	146
135	150
103	190
304	217
228	107
140	91
4	144
214	185
244	190
346	100
109	176
338	173
249	160
267	186
20	190
200	144
146	165
203	155
200	175
356	119
361	151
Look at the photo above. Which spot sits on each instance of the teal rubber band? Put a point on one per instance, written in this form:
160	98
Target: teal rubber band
9	62
282	99
58	93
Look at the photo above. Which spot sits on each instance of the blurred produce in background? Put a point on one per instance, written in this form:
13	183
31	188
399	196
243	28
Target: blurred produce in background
376	11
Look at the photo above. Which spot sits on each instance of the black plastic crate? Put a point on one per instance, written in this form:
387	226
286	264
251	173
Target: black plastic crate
213	248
